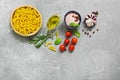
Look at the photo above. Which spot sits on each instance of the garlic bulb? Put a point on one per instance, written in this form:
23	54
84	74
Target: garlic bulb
90	19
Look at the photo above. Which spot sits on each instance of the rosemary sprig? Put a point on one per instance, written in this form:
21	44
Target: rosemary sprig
39	43
39	40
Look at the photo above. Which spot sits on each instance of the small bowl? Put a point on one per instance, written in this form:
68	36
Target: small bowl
66	16
26	21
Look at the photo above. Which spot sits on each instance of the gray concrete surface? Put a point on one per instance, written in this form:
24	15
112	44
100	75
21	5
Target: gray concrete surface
95	58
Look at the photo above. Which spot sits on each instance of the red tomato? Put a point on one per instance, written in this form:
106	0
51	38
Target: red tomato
66	41
71	47
62	48
68	34
74	40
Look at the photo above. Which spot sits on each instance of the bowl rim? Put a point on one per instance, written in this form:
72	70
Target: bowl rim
33	33
72	11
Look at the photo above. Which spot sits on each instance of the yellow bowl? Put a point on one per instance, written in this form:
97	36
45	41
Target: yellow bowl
26	21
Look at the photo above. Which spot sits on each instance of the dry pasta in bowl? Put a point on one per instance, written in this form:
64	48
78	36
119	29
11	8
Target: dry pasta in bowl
26	20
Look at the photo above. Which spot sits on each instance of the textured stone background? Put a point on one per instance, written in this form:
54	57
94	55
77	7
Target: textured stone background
96	58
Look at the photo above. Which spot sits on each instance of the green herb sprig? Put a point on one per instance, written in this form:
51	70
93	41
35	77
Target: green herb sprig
51	26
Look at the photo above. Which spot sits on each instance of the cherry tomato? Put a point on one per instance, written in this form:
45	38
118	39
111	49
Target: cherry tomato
74	40
62	48
68	34
71	47
66	41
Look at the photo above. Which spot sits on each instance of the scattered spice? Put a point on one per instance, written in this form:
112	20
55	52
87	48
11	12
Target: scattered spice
87	33
82	30
90	29
93	32
90	21
97	29
90	36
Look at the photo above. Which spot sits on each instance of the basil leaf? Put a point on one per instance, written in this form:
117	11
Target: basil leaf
78	25
73	24
58	41
76	33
